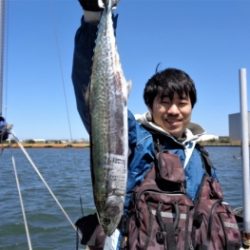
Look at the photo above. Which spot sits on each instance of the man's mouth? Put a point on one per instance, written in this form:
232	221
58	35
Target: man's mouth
173	121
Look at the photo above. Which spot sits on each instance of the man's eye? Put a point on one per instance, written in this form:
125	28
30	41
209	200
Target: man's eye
183	103
165	101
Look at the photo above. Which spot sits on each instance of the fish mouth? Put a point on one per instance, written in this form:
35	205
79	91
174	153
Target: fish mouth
106	222
111	215
110	223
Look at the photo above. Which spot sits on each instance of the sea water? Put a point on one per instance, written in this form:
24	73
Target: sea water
67	173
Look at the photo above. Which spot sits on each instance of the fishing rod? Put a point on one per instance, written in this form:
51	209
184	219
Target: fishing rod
245	156
2	16
4	127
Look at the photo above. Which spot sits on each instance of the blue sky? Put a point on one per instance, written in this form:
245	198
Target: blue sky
210	40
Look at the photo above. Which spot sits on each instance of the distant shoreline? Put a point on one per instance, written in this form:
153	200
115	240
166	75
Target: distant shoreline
220	144
47	145
86	144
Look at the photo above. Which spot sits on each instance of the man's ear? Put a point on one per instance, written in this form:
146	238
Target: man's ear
150	110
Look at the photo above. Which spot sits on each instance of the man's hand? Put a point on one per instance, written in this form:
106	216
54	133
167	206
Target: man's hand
95	5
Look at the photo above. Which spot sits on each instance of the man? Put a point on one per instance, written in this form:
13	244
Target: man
170	96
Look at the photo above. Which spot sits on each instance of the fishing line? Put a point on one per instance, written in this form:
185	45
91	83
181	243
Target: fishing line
58	54
43	180
3	56
54	19
22	205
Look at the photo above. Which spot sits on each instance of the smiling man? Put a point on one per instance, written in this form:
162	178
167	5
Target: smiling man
170	96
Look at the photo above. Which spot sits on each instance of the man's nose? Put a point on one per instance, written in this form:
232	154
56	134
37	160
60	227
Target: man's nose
173	109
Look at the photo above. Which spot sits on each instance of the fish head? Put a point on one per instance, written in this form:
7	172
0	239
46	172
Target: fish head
111	215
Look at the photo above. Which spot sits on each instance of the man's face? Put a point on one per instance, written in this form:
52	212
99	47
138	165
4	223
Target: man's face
172	115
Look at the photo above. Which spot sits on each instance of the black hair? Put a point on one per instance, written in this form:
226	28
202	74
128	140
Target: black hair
168	82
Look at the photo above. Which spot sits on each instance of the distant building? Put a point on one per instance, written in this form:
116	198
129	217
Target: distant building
37	140
235	126
208	137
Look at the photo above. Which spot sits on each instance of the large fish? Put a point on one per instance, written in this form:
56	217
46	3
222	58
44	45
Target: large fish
108	121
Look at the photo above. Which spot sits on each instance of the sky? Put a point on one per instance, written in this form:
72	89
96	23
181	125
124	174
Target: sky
210	40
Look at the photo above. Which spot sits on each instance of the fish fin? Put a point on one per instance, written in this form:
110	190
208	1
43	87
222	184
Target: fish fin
129	87
126	90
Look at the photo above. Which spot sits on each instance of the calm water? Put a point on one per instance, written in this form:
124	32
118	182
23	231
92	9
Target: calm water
67	173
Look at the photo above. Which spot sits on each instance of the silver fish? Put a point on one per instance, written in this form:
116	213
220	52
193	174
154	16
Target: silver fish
109	129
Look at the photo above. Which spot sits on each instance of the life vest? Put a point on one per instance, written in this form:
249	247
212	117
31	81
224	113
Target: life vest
162	215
